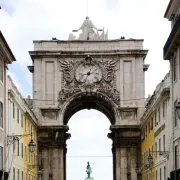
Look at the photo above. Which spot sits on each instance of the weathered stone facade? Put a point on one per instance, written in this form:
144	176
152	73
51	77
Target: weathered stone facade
105	75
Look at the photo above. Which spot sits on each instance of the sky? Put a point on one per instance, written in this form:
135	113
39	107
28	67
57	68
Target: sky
22	21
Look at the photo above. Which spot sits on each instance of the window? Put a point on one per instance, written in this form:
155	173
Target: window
21	120
14	145
1	157
159	114
152	123
18	147
25	153
159	144
175	117
25	123
22	153
22	175
17	115
29	128
160	174
156	174
13	110
174	67
164	172
156	148
144	158
18	174
149	127
164	143
14	174
176	157
155	118
164	108
29	157
1	70
1	114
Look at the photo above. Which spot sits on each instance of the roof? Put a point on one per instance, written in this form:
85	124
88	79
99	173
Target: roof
7	47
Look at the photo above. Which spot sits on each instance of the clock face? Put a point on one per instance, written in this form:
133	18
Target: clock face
88	73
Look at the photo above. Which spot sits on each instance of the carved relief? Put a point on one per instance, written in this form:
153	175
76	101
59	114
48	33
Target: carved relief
68	70
89	75
109	68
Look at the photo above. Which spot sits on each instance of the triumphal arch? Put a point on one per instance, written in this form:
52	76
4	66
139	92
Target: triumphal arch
88	72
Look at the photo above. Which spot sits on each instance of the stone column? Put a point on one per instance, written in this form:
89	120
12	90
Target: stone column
45	164
55	164
123	159
133	163
59	157
64	161
125	144
114	162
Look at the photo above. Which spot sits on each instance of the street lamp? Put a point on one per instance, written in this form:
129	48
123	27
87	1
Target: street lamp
11	140
177	110
31	145
150	159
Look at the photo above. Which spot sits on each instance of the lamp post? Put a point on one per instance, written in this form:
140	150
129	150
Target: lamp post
150	159
31	145
11	140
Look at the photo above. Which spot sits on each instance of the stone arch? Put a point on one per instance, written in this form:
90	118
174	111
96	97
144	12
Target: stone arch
96	101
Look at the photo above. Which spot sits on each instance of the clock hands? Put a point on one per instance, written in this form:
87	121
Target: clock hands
88	73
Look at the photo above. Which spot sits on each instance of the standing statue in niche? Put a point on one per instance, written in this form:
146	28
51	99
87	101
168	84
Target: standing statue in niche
88	171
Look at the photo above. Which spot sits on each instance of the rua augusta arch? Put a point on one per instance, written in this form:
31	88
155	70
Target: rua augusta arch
72	75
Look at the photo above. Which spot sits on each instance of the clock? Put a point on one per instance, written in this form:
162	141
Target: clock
88	73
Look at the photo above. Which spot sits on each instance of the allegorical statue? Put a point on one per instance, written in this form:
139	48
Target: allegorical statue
89	32
89	171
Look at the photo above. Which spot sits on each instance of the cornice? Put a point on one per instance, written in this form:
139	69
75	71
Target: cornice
95	53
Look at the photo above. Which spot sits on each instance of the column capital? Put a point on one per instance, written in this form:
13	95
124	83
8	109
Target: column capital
125	136
53	137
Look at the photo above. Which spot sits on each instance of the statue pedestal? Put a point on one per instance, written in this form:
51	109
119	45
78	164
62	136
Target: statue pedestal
90	178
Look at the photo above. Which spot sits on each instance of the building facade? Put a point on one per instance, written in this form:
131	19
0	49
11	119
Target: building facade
6	57
147	143
172	53
155	134
21	164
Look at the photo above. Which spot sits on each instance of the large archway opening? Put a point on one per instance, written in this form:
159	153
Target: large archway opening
89	142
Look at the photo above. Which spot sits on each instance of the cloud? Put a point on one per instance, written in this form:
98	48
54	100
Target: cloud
7	6
28	20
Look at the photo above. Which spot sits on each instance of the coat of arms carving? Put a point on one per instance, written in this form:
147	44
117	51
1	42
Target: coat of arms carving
88	75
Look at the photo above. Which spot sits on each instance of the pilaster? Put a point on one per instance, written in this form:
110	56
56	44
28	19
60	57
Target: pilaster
52	144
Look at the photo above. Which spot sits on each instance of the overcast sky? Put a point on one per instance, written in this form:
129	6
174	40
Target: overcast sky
22	21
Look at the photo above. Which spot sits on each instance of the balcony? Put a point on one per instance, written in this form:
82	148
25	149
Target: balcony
173	40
